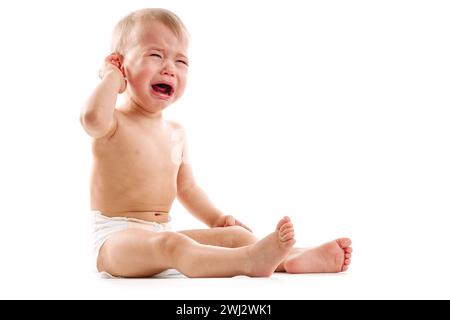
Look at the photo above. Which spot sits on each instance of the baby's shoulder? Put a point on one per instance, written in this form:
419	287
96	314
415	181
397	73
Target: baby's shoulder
174	124
177	130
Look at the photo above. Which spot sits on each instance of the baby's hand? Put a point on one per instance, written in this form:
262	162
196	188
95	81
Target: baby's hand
113	64
228	221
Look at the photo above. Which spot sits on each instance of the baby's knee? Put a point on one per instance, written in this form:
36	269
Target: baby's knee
171	242
239	237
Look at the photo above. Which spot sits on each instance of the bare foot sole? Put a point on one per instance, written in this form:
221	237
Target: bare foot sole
266	254
332	257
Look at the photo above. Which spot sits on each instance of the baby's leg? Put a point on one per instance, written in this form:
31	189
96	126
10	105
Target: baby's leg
229	237
133	253
334	256
141	253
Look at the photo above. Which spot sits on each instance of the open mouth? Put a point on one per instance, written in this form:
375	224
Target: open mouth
163	90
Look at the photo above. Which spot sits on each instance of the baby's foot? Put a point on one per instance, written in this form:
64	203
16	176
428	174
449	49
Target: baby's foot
267	253
334	256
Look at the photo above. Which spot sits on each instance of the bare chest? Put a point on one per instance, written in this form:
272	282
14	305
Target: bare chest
143	151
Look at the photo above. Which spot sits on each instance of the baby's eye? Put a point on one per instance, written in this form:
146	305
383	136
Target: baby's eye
183	62
155	55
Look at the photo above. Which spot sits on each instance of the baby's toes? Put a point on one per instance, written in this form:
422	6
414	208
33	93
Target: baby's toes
348	256
287	234
282	222
344	243
285	226
288	243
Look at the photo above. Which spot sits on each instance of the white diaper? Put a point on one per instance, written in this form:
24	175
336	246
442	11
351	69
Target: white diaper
104	227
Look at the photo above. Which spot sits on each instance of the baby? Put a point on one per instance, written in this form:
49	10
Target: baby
141	163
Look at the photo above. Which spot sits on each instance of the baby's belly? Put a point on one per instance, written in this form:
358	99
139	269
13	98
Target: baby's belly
139	184
153	216
150	202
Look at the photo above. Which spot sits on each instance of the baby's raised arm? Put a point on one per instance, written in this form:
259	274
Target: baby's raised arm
97	116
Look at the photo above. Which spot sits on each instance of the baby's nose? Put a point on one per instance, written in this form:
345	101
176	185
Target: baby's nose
168	70
168	73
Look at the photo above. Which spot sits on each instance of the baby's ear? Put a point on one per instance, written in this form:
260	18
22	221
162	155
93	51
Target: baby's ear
122	68
120	59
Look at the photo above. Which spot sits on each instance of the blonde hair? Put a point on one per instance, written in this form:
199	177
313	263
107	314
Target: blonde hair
123	31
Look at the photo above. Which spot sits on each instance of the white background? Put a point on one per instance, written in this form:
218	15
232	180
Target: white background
333	112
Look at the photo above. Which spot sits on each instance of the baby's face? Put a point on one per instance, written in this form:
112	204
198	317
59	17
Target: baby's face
156	67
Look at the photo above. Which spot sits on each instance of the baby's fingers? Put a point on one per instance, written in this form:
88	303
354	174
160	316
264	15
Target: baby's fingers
115	63
230	221
114	59
243	225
